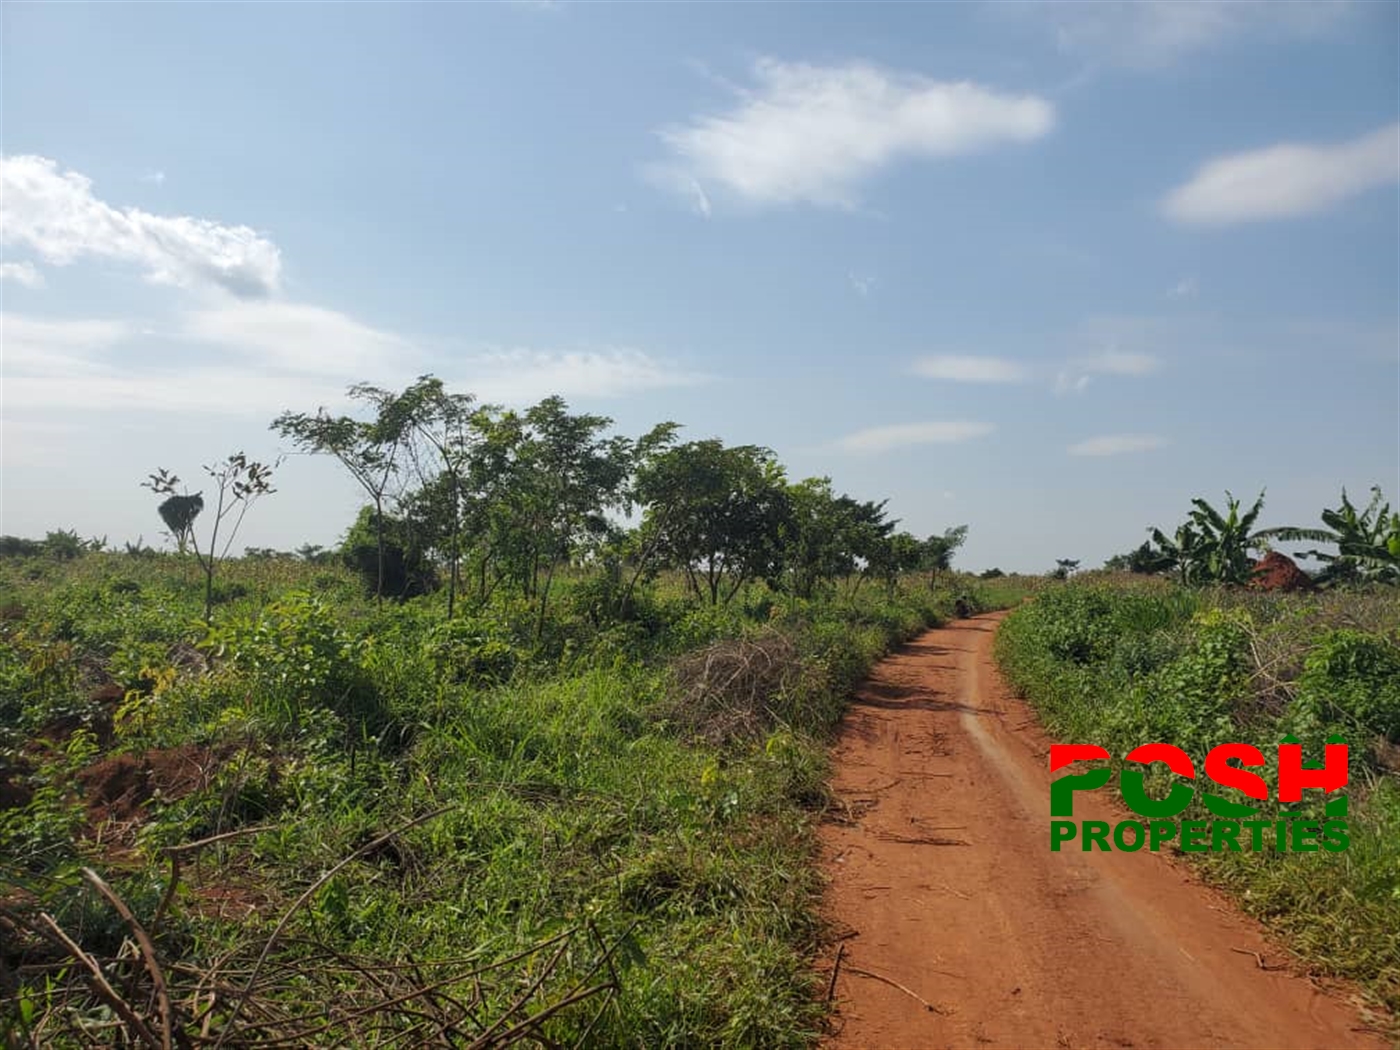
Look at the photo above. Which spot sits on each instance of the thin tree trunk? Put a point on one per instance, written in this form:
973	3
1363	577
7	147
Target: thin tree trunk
544	600
379	547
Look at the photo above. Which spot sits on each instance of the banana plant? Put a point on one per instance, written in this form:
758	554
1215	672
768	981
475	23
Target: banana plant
1211	547
1367	541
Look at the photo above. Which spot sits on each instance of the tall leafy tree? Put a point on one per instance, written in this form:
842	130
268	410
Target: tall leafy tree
553	476
938	551
716	512
441	438
369	450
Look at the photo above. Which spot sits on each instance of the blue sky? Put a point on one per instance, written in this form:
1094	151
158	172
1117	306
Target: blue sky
1047	269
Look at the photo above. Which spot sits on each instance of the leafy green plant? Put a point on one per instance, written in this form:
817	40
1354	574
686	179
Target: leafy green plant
1367	541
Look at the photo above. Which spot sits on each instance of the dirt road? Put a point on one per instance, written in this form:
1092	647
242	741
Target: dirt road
942	881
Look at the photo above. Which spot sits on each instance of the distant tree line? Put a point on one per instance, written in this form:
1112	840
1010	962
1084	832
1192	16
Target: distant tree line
475	497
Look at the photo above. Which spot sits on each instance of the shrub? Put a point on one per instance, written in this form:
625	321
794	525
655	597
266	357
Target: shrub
297	655
1354	678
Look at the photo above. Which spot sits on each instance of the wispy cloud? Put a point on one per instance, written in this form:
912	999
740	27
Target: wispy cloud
1186	288
862	284
901	435
154	177
296	338
22	273
1117	445
521	376
699	201
246	357
812	134
43	346
1067	382
1154	34
970	369
56	214
1120	363
1080	372
1286	180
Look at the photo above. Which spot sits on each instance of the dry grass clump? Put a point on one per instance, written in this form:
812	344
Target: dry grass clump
735	688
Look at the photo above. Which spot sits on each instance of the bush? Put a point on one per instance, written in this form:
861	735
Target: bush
298	656
1354	678
408	572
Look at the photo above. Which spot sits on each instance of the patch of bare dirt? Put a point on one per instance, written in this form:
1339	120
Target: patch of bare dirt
118	788
958	927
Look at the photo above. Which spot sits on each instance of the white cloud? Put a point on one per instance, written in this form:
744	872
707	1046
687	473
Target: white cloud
522	376
216	391
1286	180
811	134
31	346
22	273
970	369
155	177
699	201
1111	333
298	338
861	284
268	356
1153	34
1067	382
55	214
901	435
1119	363
1186	288
1117	445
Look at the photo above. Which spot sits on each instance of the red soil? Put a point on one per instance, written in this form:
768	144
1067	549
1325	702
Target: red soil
961	928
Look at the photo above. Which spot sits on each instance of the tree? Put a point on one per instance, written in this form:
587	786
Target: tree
1145	560
715	512
1064	568
441	441
63	544
939	550
368	450
1367	541
240	482
387	554
547	480
899	553
826	536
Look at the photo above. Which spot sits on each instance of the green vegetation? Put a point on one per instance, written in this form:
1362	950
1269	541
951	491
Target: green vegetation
1121	662
1211	547
502	769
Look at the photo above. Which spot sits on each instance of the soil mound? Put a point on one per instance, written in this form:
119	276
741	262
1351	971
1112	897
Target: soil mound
1279	572
118	788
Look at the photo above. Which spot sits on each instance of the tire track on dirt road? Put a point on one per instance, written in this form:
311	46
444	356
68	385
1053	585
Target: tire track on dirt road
942	881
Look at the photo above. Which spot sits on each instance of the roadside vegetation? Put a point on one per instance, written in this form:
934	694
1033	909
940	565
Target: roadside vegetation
497	769
1175	650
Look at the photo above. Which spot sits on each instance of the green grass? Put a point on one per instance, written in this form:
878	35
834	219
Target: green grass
1122	663
588	836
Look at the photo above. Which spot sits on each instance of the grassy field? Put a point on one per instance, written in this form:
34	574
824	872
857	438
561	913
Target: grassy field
1121	661
327	822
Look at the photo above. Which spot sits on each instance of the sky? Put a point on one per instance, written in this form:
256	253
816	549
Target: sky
1045	269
